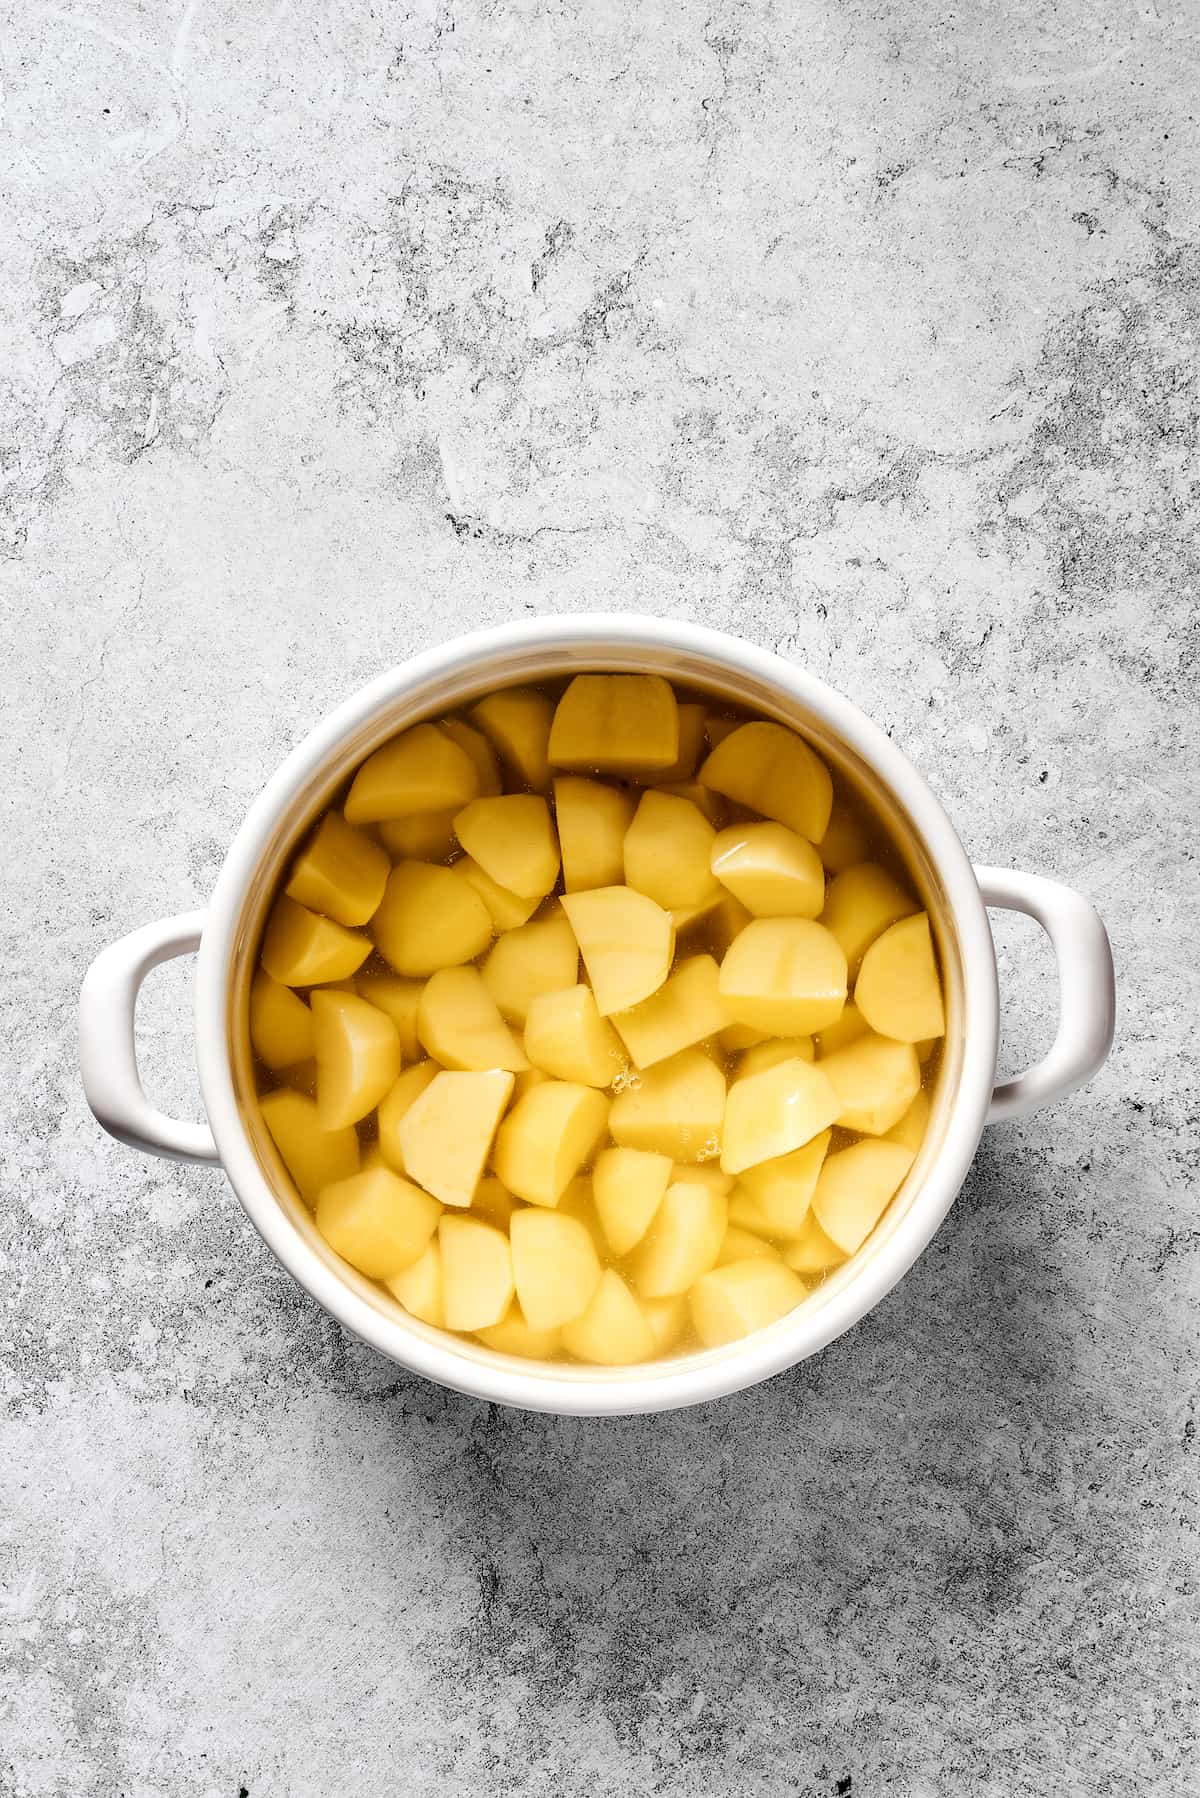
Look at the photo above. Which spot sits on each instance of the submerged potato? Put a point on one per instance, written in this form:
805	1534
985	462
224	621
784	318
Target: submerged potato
429	919
626	941
616	724
422	770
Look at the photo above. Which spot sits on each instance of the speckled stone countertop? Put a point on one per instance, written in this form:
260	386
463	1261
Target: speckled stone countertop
869	332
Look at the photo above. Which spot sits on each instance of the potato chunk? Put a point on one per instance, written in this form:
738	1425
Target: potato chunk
358	1057
513	1335
811	1252
683	1241
429	919
743	1296
539	957
773	771
786	976
898	990
478	748
774	872
421	770
592	820
396	1104
876	1080
419	1286
547	1137
340	872
685	1009
312	1156
616	724
855	1188
477	1273
843	1031
459	1023
668	850
781	1190
761	1056
445	1136
493	1202
666	1317
425	837
512	838
566	1037
517	723
772	1113
628	1187
555	1266
845	840
507	910
910	1130
281	1026
676	1108
744	1245
400	999
709	804
612	1331
859	906
300	948
693	744
377	1221
626	941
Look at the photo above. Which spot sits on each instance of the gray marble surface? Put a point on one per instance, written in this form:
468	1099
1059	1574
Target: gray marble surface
330	329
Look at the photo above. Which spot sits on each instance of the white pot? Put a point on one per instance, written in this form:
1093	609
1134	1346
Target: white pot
226	935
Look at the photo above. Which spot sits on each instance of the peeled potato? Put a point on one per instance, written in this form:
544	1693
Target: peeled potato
430	919
358	1057
547	1137
539	957
843	1031
855	1188
281	1027
668	850
911	1128
446	1135
677	1108
312	1156
692	745
784	975
744	1245
717	728
845	840
459	1024
419	1286
860	904
612	1331
687	917
512	838
811	1252
399	999
780	1190
507	910
876	1080
898	990
395	1105
773	771
628	1187
703	798
477	1273
761	1056
685	1009
493	1202
566	1037
592	820
727	919
771	870
517	723
513	1335
478	748
377	1221
683	1241
616	724
340	872
666	1317
425	837
555	1266
772	1113
421	770
578	1202
742	1296
626	941
300	948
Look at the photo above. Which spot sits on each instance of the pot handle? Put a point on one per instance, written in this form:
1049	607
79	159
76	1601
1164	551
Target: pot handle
1086	988
107	1049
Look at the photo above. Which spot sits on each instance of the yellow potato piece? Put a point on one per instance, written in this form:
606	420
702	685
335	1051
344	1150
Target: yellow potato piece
772	1113
616	724
566	1037
727	919
626	941
446	1135
396	1104
898	990
577	1202
666	1317
419	1286
512	838
340	872
628	1186
459	1024
811	1252
376	1221
668	849
527	1080
555	1267
744	1245
507	910
477	1273
910	1130
780	1190
734	1300
300	948
693	743
281	1027
421	770
843	1031
400	999
513	1336
429	919
539	957
683	1241
855	1188
312	1156
478	748
550	1133
773	771
493	1202
710	804
786	976
517	724
592	820
860	904
687	917
876	1080
676	1108
358	1057
761	1056
771	870
685	1009
709	1175
613	1331
425	837
845	839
